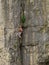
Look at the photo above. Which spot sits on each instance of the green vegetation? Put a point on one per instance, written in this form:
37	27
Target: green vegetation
23	18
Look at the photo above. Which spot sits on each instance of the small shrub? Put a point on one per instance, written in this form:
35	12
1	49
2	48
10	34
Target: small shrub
23	19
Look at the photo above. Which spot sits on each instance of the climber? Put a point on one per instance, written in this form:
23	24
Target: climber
20	31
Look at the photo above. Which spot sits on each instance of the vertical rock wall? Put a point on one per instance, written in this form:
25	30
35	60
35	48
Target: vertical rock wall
35	36
12	19
9	22
4	54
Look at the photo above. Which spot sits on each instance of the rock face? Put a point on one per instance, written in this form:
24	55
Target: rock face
34	47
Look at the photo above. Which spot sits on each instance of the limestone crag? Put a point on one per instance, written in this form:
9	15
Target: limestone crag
33	48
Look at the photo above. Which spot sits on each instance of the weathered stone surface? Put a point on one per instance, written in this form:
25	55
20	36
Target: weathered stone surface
30	55
4	56
36	17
